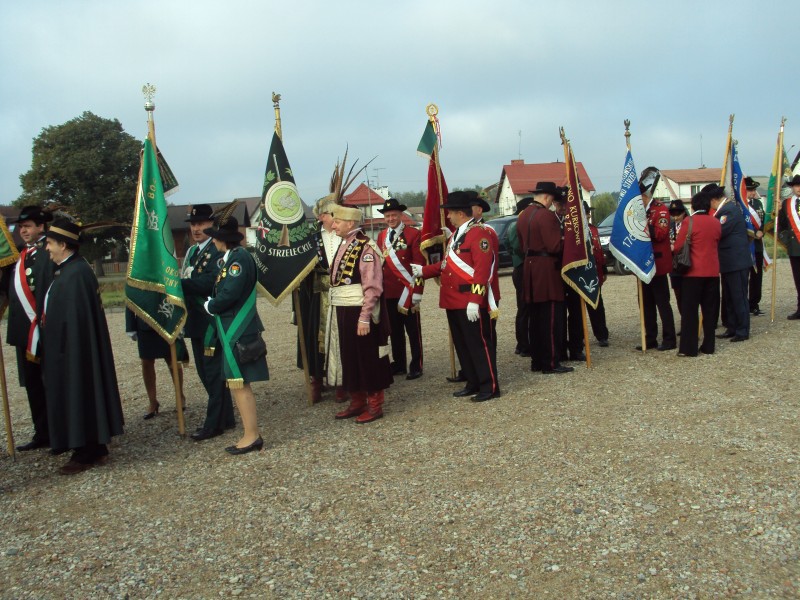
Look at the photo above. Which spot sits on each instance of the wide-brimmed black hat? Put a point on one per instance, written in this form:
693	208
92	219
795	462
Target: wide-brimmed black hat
751	184
226	232
392	204
523	204
547	187
677	207
794	181
200	213
64	230
461	200
478	201
713	190
34	213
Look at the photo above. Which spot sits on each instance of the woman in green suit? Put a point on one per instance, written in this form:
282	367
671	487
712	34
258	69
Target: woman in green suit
233	305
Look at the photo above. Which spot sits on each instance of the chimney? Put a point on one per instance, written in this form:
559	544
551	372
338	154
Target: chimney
517	161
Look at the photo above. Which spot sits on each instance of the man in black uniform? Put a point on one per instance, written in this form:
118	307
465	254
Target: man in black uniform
30	279
757	273
200	268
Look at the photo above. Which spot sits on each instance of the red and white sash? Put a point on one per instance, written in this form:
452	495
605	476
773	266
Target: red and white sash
28	302
402	274
467	273
793	215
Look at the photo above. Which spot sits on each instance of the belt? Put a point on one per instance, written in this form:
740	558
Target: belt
550	254
657	254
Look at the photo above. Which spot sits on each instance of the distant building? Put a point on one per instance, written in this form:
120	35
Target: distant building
370	200
682	184
518	179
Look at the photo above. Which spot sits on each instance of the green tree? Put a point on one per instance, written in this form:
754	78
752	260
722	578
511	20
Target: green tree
88	165
603	204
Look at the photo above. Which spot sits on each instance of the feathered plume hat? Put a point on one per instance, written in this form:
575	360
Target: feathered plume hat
226	226
339	185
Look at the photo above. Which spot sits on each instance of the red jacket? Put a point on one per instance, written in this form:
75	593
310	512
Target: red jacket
496	249
540	240
406	247
706	233
475	248
658	221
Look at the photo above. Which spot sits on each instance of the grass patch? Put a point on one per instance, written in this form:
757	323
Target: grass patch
112	292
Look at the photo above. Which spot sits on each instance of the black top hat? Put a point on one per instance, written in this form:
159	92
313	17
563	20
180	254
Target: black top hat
461	200
200	213
35	214
713	191
226	232
392	204
547	187
794	181
523	204
64	230
676	207
751	184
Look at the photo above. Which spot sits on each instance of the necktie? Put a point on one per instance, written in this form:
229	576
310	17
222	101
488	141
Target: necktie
391	236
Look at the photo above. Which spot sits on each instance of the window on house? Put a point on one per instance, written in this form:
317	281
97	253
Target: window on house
695	189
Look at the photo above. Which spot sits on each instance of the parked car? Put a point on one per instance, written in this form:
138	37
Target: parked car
500	225
604	231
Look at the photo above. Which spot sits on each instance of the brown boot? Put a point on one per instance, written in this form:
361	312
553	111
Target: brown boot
316	390
341	394
358	404
374	408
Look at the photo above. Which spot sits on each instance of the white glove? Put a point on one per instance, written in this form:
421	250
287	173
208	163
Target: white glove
187	273
133	335
472	311
416	299
205	305
416	270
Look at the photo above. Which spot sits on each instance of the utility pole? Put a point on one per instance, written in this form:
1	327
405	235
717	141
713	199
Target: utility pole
377	174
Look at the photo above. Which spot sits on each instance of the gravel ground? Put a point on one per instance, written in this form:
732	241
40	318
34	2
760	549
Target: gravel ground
647	476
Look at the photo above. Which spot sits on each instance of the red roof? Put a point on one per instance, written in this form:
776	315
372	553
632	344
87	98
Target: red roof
364	196
703	175
523	178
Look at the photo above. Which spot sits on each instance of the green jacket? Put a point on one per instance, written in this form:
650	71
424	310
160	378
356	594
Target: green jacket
512	243
199	286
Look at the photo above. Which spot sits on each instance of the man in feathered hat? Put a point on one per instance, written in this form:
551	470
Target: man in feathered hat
30	279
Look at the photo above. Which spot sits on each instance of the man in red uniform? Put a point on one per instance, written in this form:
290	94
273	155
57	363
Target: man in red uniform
789	234
356	295
655	295
465	276
402	291
540	240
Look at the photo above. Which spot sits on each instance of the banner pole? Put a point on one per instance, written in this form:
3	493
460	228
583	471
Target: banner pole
627	123
727	152
6	409
586	334
173	361
776	207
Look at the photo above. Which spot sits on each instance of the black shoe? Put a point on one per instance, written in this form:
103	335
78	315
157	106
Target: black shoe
684	355
558	369
726	334
152	413
664	347
465	392
457	379
414	375
33	445
740	338
603	343
484	396
206	434
649	347
580	357
398	370
795	316
257	445
757	312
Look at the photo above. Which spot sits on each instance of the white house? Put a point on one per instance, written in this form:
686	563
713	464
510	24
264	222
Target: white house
518	179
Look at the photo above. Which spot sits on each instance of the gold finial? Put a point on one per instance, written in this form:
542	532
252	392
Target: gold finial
564	139
627	123
149	90
276	99
730	119
432	110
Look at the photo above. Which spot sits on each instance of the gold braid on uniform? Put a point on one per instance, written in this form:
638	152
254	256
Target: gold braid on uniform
347	265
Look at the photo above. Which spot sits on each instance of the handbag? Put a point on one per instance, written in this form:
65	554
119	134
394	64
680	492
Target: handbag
682	260
250	352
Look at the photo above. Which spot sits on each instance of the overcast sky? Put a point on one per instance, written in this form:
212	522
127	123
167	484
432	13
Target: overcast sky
361	73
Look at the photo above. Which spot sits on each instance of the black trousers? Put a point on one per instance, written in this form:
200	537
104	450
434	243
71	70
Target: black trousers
546	334
698	293
522	321
795	262
473	342
219	412
734	294
401	325
756	278
597	317
30	376
676	281
655	297
572	336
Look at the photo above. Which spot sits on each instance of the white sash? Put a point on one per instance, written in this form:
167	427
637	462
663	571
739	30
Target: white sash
401	271
468	273
27	301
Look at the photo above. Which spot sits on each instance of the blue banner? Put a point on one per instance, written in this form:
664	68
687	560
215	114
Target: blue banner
630	237
736	184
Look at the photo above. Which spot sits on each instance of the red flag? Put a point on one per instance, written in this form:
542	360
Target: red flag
433	235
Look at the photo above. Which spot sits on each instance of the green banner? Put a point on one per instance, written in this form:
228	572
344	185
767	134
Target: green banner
285	248
153	287
8	250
